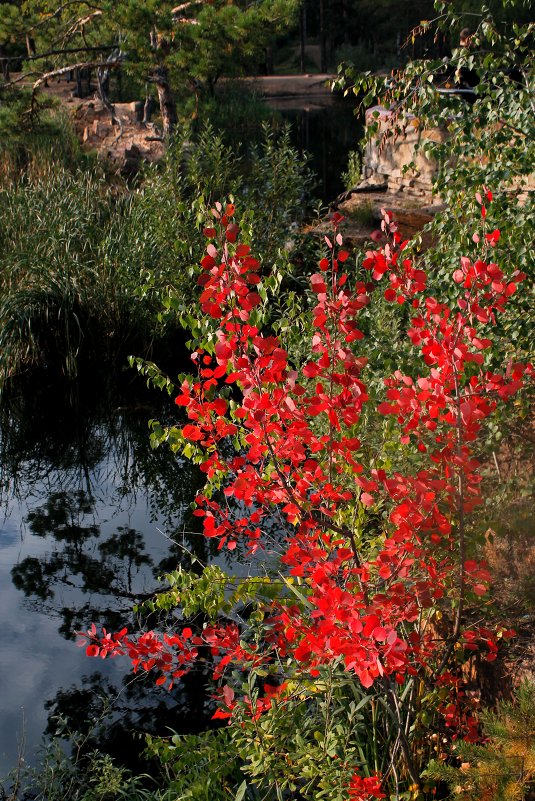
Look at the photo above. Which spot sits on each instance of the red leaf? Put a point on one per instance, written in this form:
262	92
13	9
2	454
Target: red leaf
366	678
232	231
219	406
220	714
193	433
228	694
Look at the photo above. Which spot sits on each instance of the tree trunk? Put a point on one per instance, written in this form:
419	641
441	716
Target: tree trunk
166	98
269	60
302	36
345	21
323	38
5	64
148	109
30	45
103	87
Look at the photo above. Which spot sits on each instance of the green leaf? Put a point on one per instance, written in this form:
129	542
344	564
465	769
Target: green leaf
296	592
242	789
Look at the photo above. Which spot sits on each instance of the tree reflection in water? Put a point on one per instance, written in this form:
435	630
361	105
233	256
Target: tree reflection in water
102	517
110	718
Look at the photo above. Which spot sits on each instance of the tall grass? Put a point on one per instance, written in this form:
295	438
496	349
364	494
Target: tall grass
59	298
34	138
76	251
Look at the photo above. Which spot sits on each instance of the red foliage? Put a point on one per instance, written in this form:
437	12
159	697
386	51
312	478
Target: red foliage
365	789
299	454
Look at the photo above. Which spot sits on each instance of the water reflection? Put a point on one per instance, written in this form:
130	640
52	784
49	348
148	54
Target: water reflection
91	516
80	561
327	129
109	715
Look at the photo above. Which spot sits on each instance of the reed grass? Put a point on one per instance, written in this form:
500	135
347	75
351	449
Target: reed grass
86	263
35	137
59	299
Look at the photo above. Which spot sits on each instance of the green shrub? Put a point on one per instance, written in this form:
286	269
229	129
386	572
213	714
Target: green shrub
352	176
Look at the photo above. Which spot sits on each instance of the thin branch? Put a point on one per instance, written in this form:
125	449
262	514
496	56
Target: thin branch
184	6
61	52
18	80
462	544
393	703
61	8
497	466
78	25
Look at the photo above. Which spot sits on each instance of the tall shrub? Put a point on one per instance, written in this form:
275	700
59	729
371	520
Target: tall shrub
339	659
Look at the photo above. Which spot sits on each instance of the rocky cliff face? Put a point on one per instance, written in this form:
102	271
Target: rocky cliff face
386	161
388	182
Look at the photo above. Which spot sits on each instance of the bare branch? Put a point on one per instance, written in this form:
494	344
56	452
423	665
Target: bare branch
18	80
184	6
80	66
78	24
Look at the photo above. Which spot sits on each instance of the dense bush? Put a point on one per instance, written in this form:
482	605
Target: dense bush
336	665
488	142
341	667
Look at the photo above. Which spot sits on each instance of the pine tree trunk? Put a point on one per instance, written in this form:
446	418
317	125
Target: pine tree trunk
323	38
302	36
5	65
30	45
166	98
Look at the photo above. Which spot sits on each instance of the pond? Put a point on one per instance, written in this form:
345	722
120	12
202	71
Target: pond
327	129
90	517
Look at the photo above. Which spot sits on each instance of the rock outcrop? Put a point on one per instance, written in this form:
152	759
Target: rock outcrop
388	182
127	143
386	159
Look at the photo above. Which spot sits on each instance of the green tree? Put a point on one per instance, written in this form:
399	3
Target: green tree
170	46
502	768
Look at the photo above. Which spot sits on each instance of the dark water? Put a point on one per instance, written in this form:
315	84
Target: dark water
90	516
327	129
